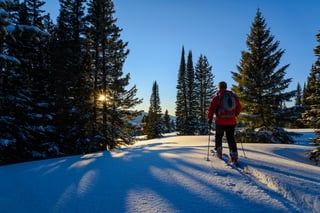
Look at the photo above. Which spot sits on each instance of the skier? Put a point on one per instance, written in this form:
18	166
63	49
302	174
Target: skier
225	120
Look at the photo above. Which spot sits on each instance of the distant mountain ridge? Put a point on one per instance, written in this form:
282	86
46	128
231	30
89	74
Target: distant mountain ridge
139	118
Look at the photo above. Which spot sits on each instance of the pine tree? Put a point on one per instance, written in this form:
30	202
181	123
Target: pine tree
70	86
186	103
25	101
181	99
204	90
35	64
304	94
298	101
191	122
292	115
143	124
154	127
33	13
112	114
261	84
167	122
9	93
311	117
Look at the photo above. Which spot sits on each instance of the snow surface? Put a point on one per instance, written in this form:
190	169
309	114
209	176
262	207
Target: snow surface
170	174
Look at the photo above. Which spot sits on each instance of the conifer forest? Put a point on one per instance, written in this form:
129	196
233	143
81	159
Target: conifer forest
63	90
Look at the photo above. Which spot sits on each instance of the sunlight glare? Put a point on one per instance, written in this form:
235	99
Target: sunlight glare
102	98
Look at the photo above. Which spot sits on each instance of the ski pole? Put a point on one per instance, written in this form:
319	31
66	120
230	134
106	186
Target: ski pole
244	154
208	142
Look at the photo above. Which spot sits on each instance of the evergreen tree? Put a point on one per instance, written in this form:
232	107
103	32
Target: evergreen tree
172	125
181	99
261	84
48	24
312	115
32	13
110	115
70	86
154	123
304	94
9	93
186	103
34	63
144	122
298	101
191	122
292	115
25	104
167	122
204	90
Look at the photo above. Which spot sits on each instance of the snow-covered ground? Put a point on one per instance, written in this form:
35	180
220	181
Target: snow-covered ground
171	174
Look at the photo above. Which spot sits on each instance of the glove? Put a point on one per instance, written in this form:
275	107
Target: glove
210	122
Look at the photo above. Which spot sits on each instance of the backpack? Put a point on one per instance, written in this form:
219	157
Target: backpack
227	107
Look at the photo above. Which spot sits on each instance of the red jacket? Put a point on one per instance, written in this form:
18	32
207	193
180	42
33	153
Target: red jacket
214	105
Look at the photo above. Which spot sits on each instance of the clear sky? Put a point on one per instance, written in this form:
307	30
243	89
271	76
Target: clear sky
158	29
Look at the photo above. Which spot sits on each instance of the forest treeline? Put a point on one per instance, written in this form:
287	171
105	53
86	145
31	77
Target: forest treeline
63	90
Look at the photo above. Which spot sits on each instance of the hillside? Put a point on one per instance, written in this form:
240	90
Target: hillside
170	174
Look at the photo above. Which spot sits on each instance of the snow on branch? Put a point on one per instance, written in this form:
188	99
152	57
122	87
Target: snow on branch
26	32
7	3
9	58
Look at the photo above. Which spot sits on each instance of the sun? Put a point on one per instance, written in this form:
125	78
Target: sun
103	98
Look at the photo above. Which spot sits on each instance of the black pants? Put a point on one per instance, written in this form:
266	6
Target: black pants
229	130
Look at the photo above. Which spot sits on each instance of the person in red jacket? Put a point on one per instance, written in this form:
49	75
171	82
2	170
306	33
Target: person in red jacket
224	123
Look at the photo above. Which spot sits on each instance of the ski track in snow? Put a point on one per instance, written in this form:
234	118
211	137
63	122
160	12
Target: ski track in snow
291	180
170	174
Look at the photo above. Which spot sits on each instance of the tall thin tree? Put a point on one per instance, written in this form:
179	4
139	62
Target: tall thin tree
191	122
67	64
154	122
298	101
181	99
204	90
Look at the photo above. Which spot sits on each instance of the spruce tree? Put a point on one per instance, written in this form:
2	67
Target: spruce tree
304	94
186	103
181	98
25	104
144	122
154	123
167	122
35	64
311	117
298	101
112	102
70	86
261	84
204	90
11	85
191	122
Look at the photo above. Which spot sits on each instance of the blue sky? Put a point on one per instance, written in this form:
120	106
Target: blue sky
156	31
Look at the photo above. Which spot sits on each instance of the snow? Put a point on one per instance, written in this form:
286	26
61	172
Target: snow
6	2
170	174
9	58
